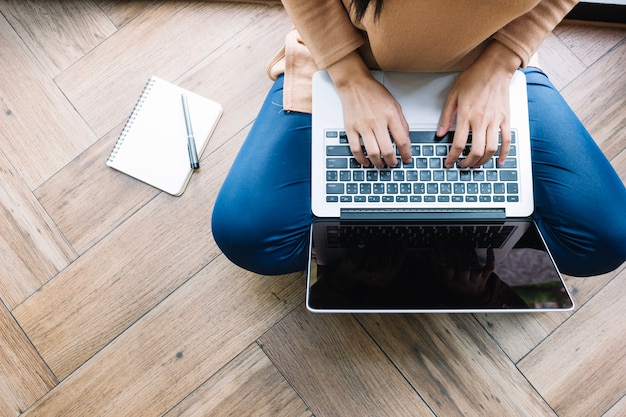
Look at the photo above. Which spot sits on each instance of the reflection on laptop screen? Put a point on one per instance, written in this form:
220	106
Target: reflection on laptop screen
451	266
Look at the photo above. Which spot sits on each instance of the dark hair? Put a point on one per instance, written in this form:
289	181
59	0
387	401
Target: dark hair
360	6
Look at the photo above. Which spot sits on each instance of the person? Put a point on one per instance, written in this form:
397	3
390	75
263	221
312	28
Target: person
262	214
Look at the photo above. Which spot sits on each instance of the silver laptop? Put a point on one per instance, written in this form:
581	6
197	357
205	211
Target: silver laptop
420	237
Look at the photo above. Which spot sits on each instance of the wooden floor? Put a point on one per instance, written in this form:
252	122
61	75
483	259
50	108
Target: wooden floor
115	300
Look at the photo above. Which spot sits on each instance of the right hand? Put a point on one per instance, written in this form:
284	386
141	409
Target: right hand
370	113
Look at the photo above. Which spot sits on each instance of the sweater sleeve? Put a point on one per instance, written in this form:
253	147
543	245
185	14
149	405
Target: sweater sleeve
525	34
325	28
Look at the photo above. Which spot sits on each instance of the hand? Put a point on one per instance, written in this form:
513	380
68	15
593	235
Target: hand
370	115
480	99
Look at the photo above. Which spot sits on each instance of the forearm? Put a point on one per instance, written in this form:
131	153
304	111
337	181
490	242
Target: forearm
325	27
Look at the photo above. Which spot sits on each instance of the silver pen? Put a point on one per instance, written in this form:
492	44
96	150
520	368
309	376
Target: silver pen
191	141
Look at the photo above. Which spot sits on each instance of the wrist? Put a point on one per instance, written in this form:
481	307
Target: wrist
499	57
348	71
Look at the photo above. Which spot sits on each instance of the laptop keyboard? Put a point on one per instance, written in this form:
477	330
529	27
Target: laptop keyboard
418	236
423	180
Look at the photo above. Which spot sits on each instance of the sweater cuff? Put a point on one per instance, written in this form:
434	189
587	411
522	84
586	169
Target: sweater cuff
525	34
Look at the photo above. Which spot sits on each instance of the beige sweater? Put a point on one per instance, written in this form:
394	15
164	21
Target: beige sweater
410	36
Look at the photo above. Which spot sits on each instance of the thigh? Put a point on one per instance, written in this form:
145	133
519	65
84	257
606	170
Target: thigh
579	198
263	211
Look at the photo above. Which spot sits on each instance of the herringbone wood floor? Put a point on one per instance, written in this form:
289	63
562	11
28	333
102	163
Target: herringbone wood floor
116	301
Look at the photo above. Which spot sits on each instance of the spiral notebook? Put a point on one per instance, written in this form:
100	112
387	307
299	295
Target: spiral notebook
153	145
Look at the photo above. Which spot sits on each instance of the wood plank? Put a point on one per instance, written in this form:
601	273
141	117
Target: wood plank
122	12
558	62
33	250
250	385
40	131
579	369
454	365
25	377
337	369
58	33
88	200
518	334
176	346
597	97
589	42
618	410
126	274
166	40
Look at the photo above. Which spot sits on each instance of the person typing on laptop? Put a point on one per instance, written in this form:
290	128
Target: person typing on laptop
486	43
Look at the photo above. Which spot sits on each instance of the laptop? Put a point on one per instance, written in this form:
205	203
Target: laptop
420	237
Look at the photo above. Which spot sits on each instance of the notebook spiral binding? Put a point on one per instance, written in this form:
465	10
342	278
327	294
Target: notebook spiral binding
131	119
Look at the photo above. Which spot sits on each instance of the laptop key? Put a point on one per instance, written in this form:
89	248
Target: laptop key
508	175
335	188
336	163
338	151
509	163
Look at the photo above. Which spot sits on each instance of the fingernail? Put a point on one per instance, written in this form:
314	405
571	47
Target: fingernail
440	131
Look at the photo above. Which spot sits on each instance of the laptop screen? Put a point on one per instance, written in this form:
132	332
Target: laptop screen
367	266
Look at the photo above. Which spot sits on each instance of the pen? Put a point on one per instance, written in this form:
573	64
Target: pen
191	141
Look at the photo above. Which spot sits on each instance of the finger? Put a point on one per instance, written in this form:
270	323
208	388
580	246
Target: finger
387	151
491	145
447	114
354	140
505	142
400	132
458	145
477	150
372	149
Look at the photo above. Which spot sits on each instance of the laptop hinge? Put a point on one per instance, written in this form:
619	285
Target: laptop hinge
423	214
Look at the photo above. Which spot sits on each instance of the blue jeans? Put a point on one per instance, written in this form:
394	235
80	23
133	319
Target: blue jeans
262	214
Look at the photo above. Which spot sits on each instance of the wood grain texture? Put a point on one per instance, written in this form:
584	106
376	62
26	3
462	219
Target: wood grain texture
187	33
88	200
25	377
116	301
40	132
176	346
597	97
565	367
250	385
559	62
124	276
122	12
454	365
617	410
57	33
589	42
336	367
519	334
32	248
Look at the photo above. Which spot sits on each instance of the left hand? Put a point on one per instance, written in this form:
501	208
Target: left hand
480	99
